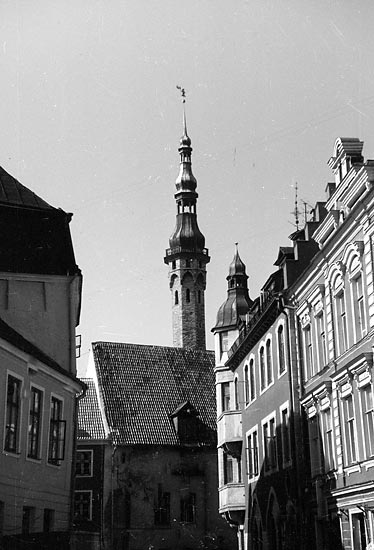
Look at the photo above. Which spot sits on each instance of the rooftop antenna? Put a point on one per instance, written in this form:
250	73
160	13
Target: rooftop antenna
296	210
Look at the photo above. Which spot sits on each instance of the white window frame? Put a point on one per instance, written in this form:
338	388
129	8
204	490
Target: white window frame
91	498
320	322
41	428
269	347
267	421
283	326
328	446
82	450
251	453
359	309
353	435
60	398
365	429
17	452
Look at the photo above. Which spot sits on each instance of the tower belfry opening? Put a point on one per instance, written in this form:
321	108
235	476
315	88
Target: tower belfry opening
187	256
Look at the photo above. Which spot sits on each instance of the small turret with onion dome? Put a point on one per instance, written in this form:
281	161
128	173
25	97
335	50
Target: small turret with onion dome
234	310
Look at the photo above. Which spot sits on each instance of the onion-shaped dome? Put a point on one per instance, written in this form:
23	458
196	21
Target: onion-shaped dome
187	234
238	302
237	266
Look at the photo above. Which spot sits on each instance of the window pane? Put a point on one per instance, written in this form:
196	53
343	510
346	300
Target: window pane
12	414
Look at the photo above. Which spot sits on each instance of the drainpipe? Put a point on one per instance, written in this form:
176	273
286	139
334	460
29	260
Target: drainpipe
296	426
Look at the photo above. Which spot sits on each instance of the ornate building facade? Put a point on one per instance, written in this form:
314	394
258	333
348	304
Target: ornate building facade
295	383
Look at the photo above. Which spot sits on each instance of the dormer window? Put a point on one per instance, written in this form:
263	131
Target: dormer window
186	424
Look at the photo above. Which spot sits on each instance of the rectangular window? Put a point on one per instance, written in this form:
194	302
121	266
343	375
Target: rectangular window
83	463
188	508
224	341
359	308
228	468
286	443
315	446
13	409
321	340
57	428
327	426
270	445
252	454
83	505
28	519
368	418
349	430
48	520
35	419
225	389
308	351
162	510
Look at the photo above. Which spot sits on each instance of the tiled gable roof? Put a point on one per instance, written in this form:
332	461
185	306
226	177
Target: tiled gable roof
141	386
90	423
12	192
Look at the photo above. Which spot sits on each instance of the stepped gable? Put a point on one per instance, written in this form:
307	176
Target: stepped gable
90	422
141	386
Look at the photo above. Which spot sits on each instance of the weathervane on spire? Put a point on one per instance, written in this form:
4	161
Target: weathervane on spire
183	93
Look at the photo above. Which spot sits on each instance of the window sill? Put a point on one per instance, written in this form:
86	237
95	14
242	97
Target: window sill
13	454
34	460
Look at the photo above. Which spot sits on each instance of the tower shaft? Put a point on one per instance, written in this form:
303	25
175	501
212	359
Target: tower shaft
187	258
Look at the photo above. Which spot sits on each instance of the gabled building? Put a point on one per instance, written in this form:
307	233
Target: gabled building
40	293
158	411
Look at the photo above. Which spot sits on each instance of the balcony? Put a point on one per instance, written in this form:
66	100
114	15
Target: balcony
231	498
229	427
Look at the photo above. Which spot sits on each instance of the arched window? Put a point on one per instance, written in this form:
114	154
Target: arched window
176	299
246	385
262	368
282	359
252	379
188	296
236	390
269	363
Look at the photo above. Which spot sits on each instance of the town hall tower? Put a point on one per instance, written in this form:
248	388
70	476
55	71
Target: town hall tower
187	258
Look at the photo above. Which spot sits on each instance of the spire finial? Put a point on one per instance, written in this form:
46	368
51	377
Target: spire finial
183	96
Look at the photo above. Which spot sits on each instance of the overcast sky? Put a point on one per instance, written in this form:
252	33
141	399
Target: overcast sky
91	120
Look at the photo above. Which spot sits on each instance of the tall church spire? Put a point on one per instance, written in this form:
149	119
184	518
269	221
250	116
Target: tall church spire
187	256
